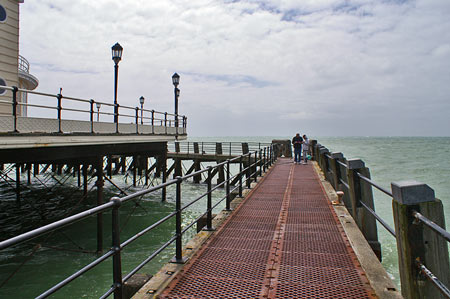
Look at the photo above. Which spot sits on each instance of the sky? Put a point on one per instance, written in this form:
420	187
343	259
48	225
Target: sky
254	68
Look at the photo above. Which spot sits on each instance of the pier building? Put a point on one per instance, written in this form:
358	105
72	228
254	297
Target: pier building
14	68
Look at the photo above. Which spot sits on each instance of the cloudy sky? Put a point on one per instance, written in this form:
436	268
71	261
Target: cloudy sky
272	67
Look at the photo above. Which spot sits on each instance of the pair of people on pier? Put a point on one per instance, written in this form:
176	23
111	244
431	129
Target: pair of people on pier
300	143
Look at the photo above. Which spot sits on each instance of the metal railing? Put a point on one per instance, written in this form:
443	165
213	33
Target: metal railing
261	159
221	148
90	111
24	65
329	164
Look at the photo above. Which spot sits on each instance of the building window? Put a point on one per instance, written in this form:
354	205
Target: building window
3	14
2	83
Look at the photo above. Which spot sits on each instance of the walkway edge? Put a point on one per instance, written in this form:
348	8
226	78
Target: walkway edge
169	271
378	278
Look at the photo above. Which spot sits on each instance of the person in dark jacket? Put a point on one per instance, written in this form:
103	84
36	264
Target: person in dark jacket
297	142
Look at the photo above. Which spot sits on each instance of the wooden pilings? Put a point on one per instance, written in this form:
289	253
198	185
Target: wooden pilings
415	242
422	253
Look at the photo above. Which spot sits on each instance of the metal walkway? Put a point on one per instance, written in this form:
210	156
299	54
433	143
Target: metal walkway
284	241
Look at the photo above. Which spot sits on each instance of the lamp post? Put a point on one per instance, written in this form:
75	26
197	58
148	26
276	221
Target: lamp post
176	81
98	110
141	100
116	57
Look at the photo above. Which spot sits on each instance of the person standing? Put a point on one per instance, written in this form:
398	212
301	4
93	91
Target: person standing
305	147
297	142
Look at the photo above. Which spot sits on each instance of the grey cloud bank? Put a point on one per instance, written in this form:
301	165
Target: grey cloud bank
276	67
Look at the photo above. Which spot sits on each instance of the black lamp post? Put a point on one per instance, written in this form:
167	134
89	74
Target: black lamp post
141	100
176	81
116	57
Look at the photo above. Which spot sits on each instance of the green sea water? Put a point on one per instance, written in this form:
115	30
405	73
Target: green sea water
389	159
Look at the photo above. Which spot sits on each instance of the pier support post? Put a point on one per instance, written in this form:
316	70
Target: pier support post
134	170
178	168
362	193
323	160
18	184
197	167
312	147
85	179
336	170
99	185
416	241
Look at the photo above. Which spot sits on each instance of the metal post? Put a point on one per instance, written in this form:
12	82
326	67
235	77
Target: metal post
264	160
117	262
59	97
240	176
164	176
249	168
117	115
228	203
153	121
116	107
260	162
91	114
256	167
165	121
209	202
179	237
99	185
137	120
15	90
176	106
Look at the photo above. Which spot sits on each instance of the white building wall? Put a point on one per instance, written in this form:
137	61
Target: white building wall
9	51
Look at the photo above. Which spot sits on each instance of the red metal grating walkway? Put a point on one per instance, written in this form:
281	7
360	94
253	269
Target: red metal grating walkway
284	241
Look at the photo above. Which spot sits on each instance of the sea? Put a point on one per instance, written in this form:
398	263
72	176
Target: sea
31	268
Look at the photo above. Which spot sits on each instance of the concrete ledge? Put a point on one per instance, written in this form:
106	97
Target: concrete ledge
379	280
168	272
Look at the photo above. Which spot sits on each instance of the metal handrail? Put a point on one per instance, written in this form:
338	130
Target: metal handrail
431	277
430	224
419	217
115	204
61	106
382	222
384	190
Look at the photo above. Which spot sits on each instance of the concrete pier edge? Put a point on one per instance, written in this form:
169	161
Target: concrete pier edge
377	276
169	271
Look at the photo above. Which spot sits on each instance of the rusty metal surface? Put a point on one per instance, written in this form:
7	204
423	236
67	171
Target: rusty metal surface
284	241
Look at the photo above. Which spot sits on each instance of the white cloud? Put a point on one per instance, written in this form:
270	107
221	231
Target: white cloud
289	62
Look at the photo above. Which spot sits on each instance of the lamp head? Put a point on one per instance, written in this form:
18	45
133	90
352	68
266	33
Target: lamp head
176	79
117	53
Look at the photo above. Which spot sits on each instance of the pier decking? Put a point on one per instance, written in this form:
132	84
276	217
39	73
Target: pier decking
284	241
